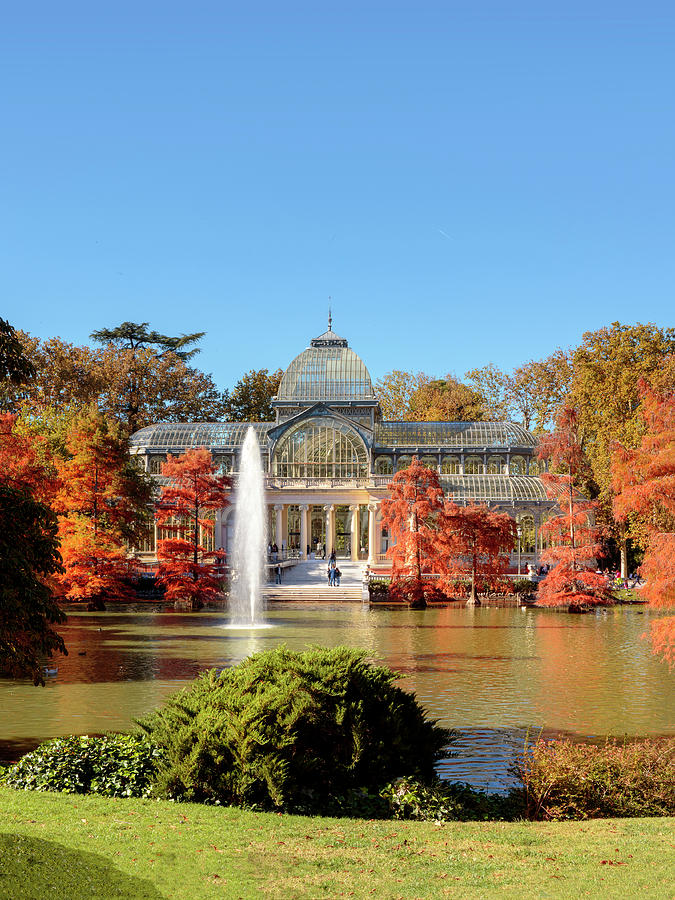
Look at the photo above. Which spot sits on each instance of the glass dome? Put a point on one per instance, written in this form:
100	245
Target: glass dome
327	370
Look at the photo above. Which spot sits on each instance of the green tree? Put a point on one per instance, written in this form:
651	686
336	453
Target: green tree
141	387
395	391
536	390
29	556
146	377
531	394
447	400
606	371
491	383
250	399
15	365
135	386
134	336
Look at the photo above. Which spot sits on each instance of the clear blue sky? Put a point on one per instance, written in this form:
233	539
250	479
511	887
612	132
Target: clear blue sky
469	181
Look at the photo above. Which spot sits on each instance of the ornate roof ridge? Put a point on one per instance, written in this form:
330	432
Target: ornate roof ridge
328	339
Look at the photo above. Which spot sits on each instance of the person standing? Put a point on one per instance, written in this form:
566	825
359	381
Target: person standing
336	576
278	572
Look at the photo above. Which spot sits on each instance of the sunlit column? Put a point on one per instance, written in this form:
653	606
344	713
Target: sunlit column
279	531
372	550
354	533
330	529
303	531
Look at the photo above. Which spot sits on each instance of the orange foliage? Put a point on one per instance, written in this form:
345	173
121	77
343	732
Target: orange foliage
187	569
24	461
413	516
476	540
644	482
574	539
100	501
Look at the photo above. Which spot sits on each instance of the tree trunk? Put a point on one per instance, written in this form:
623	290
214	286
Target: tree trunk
624	557
473	599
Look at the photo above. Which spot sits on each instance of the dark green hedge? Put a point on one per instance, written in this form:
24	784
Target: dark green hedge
286	730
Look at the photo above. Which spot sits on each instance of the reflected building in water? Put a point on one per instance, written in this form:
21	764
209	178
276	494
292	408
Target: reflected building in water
329	457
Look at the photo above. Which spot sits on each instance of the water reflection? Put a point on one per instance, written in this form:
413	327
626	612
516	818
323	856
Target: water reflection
490	673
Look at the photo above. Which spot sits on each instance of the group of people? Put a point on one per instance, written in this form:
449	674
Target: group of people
334	574
273	551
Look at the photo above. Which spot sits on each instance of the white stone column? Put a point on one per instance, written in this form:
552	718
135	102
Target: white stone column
279	531
354	533
303	531
372	534
330	529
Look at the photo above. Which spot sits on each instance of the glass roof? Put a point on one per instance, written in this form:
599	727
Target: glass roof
182	435
326	370
493	488
452	435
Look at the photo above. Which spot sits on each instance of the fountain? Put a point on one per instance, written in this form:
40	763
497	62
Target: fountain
248	558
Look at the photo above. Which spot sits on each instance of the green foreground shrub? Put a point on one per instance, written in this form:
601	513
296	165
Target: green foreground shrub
294	731
449	802
115	765
564	780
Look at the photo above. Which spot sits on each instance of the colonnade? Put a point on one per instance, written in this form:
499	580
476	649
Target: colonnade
280	530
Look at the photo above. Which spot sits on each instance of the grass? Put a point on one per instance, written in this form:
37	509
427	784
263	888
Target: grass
57	845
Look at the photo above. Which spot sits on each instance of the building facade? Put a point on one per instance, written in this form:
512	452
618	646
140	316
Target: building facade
329	457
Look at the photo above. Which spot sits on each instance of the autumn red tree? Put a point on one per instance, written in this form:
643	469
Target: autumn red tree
476	540
644	485
413	514
574	544
102	502
188	570
25	461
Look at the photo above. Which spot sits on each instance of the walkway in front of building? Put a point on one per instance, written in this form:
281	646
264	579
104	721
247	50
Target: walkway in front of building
308	580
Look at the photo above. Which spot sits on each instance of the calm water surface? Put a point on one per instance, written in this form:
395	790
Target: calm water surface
492	674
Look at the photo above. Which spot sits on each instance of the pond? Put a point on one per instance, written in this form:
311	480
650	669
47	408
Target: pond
494	675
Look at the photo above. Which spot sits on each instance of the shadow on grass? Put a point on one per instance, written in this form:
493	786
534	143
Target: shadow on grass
34	869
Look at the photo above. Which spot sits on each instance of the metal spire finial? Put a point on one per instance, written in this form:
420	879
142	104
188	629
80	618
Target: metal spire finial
330	317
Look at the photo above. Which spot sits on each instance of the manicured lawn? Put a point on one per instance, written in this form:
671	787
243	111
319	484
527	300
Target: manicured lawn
54	846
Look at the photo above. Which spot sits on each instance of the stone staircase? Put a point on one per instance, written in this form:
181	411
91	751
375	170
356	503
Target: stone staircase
308	580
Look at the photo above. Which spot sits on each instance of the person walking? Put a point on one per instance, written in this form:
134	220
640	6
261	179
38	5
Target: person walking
336	576
330	576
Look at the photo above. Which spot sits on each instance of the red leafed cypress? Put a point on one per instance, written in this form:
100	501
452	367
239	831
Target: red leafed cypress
644	482
574	544
101	501
25	461
188	571
413	514
476	540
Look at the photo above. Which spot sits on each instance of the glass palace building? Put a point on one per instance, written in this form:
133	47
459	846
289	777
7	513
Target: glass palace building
329	457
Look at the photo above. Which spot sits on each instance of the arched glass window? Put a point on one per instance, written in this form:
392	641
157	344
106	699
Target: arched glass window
429	462
320	448
450	465
535	466
155	464
384	465
222	462
517	465
403	462
526	523
473	465
495	465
